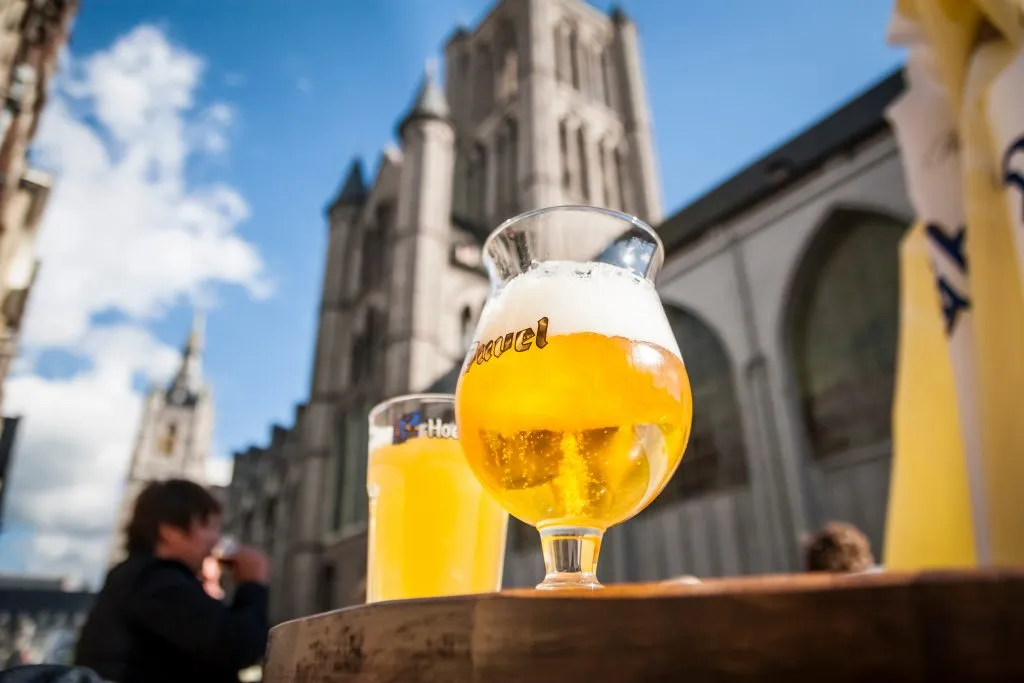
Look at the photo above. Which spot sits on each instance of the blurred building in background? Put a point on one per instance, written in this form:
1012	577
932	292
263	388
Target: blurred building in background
781	285
32	32
39	620
175	434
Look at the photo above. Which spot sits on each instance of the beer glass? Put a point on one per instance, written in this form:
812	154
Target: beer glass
433	530
573	403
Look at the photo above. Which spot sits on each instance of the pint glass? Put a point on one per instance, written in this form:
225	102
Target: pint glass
573	404
433	530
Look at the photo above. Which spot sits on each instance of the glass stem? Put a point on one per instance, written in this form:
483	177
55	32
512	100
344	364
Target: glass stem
570	557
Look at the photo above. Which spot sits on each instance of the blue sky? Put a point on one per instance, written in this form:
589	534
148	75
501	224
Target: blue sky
310	88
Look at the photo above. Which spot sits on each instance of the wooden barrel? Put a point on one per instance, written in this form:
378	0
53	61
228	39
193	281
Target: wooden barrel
936	626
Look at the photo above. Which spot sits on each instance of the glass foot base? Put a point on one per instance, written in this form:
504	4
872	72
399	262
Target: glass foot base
570	558
564	582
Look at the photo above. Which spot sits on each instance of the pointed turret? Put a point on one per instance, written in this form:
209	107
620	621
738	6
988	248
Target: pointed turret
430	102
423	230
188	382
353	190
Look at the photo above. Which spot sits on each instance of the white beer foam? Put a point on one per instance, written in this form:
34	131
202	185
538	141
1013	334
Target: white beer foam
579	297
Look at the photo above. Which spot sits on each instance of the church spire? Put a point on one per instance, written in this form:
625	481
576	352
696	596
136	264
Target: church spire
188	382
430	102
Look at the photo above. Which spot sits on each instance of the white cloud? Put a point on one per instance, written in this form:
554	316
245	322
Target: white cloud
125	231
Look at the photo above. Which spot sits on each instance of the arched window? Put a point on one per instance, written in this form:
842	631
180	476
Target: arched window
574	58
512	128
508	61
461	178
612	197
583	64
563	58
622	174
608	77
372	252
270	525
501	169
843	325
715	457
563	150
358	357
597	74
478	188
483	96
376	336
586	192
507	163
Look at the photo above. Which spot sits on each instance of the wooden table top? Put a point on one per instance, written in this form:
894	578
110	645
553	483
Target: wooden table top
933	626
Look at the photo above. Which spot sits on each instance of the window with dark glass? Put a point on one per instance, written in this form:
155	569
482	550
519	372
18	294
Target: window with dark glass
584	160
338	488
478	188
715	457
574	58
270	525
512	131
247	527
622	174
563	150
844	330
607	77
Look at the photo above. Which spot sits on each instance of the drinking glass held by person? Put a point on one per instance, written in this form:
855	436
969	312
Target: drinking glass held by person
153	621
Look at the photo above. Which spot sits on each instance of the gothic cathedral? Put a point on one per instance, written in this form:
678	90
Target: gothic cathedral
543	103
174	436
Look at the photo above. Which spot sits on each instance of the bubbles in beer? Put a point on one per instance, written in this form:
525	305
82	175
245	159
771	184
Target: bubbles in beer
587	428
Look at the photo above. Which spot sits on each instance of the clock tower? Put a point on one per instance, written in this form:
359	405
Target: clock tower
175	434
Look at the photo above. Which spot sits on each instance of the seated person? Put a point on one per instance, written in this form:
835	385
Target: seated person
838	547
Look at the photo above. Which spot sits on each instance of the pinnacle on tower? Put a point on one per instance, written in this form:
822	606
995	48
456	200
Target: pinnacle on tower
430	102
353	191
196	334
188	381
460	33
618	15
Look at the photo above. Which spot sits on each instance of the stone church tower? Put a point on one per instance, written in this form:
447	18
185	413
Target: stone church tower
174	436
543	104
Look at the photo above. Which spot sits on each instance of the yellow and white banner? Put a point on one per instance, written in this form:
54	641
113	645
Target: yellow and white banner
959	126
936	336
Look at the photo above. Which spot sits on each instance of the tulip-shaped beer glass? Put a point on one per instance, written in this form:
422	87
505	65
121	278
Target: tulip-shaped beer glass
573	405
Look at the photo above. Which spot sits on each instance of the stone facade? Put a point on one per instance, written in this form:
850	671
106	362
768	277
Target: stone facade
31	35
174	436
544	103
781	286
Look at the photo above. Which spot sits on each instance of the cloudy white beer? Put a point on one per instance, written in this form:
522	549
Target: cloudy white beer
574	406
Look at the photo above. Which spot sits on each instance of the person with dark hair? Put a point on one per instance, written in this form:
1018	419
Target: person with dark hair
153	621
838	547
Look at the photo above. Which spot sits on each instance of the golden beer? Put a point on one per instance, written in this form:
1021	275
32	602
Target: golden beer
433	530
574	405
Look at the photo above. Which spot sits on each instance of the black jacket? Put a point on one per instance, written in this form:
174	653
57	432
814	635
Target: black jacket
48	673
153	622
